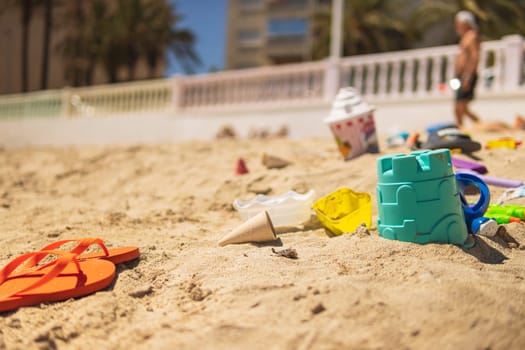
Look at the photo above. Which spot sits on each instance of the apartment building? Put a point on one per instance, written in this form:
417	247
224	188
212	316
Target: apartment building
266	32
11	54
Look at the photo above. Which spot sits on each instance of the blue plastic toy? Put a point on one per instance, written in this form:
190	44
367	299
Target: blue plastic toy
435	127
418	198
473	211
476	223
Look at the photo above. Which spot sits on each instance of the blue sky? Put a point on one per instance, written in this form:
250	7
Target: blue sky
207	20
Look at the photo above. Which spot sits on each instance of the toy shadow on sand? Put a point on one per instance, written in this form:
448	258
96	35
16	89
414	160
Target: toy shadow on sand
310	225
485	253
504	239
276	243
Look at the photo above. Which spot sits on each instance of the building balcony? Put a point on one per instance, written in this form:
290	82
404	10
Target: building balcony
287	5
251	5
286	45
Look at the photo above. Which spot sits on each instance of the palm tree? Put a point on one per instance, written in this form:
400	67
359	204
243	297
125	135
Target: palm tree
368	27
92	38
496	18
72	46
164	36
27	9
148	29
129	20
118	34
48	25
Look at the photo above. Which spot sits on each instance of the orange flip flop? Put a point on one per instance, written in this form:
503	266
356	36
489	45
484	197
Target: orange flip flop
64	278
115	255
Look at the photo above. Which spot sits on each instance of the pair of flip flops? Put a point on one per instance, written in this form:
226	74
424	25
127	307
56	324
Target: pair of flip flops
26	280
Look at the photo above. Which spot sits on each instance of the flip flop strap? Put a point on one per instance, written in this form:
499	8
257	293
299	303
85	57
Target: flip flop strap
82	245
63	260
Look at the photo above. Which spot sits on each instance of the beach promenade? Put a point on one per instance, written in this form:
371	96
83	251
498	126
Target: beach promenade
409	88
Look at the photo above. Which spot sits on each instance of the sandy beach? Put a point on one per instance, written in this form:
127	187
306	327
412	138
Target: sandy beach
174	201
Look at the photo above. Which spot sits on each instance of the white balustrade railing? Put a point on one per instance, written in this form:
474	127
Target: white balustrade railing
41	104
144	96
426	72
387	76
268	85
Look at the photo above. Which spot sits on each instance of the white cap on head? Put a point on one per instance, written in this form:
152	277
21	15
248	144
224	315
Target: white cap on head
467	17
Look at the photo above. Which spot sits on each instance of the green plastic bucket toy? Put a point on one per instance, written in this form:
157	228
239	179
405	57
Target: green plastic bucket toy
418	198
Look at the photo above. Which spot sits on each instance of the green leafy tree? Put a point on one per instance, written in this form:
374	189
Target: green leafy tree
160	34
369	26
496	18
86	42
48	27
117	35
27	9
128	28
150	31
27	12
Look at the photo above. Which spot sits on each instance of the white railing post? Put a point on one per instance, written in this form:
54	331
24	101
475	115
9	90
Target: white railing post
382	78
395	79
422	76
499	68
66	102
408	76
513	61
436	74
177	90
482	68
358	78
370	77
451	62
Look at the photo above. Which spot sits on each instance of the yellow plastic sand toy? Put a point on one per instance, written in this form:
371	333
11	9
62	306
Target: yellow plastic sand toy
343	210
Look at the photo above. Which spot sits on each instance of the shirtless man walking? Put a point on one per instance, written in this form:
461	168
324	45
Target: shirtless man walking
466	64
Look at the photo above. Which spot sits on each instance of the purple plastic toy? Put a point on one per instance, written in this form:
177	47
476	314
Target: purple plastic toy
466	164
491	180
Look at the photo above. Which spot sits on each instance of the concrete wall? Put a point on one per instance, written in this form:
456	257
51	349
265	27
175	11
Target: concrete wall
301	121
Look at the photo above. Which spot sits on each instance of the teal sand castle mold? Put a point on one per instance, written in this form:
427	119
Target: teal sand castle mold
418	199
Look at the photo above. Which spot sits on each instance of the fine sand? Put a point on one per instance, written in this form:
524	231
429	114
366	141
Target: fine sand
175	203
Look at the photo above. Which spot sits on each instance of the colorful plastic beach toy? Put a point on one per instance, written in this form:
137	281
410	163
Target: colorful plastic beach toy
435	127
517	211
452	138
512	193
504	142
258	228
240	167
288	209
418	199
470	165
504	214
476	223
501	218
351	121
344	210
397	139
491	180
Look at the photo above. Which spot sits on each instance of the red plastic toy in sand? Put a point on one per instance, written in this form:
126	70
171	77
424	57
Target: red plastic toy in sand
241	167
